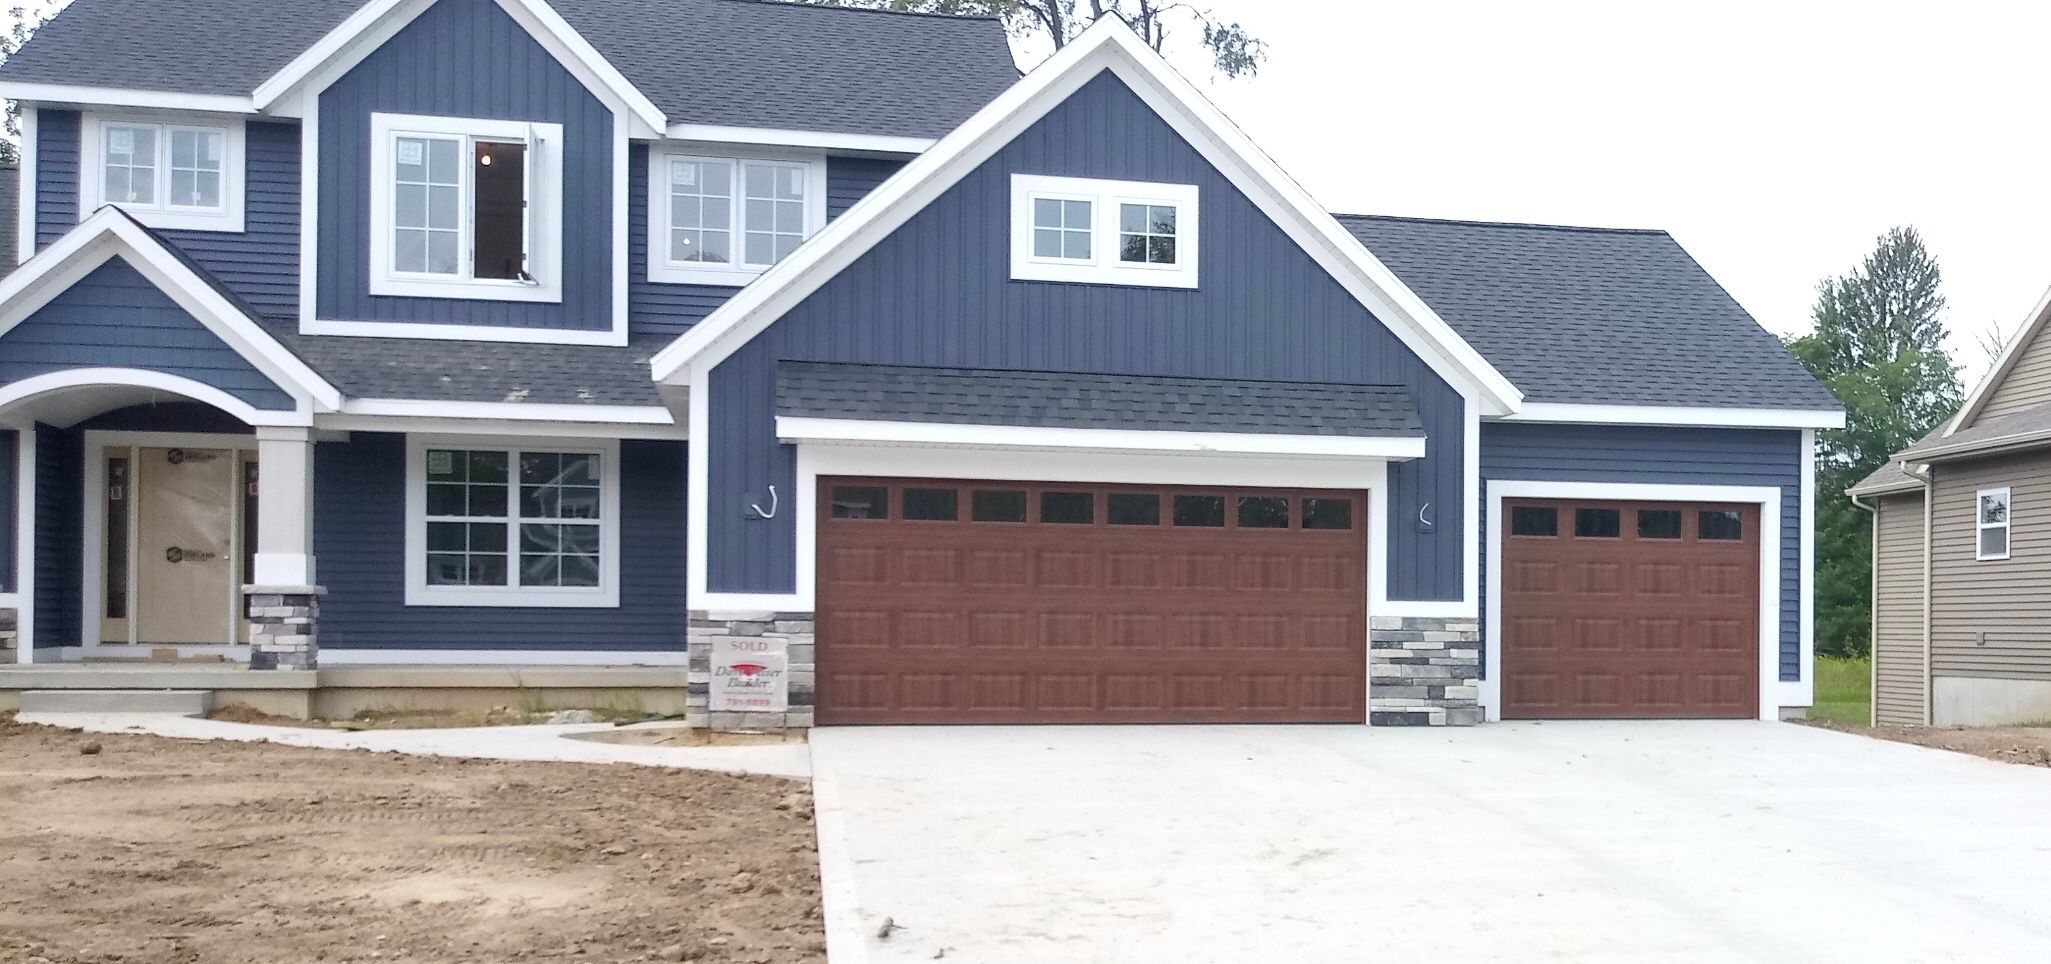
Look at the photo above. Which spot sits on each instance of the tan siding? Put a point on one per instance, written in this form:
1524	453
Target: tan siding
2027	384
1900	688
1992	618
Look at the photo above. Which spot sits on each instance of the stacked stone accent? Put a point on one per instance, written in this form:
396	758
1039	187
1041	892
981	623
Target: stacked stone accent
283	626
1423	672
788	633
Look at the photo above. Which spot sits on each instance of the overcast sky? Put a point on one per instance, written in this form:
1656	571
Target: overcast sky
1774	140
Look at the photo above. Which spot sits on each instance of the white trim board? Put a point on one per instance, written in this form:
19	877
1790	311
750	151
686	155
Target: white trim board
86	96
1774	694
25	543
1107	45
1678	415
780	137
828	431
25	208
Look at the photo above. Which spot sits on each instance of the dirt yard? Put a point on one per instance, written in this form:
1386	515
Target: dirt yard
139	849
2027	745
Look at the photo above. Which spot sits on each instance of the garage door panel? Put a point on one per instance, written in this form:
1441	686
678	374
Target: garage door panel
1620	609
1046	621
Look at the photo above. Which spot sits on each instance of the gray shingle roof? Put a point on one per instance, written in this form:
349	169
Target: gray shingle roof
1885	479
2030	422
1591	315
478	371
968	396
746	63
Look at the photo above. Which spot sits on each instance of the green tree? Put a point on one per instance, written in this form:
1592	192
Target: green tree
1234	52
22	22
1878	345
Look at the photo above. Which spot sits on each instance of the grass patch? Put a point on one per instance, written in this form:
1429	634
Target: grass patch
1844	690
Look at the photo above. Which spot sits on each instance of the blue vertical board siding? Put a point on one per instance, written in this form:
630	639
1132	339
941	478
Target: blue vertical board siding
359	538
60	467
114	317
260	263
1672	456
8	494
669	310
468	59
938	292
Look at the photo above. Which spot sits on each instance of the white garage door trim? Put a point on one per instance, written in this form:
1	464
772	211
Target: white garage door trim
1771	692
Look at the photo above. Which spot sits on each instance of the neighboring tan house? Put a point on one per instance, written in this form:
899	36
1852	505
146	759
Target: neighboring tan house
1962	555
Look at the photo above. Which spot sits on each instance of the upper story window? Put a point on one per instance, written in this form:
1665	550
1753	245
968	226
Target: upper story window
169	172
1991	524
465	208
1103	232
725	219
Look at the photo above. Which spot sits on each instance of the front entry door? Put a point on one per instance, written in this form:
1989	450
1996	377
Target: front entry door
186	564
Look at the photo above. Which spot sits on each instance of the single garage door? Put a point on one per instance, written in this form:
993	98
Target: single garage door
1630	610
945	601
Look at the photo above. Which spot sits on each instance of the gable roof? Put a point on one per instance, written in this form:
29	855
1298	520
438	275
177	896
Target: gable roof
1108	45
1593	316
1976	400
725	63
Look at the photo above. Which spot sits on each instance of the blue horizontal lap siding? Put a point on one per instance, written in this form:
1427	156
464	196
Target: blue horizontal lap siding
1671	456
359	547
114	317
60	466
661	308
467	59
938	292
57	168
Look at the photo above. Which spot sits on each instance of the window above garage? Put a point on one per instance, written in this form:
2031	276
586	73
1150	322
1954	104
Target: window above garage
1088	231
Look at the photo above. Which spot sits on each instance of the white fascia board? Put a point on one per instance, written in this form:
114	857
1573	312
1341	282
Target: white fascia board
25	207
109	233
862	432
819	140
327	48
2001	443
74	378
1677	416
124	97
2010	354
512	411
1108	44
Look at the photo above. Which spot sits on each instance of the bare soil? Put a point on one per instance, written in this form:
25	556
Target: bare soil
411	719
2027	745
681	735
141	849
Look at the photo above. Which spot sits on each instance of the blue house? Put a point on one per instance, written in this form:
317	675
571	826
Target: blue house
817	365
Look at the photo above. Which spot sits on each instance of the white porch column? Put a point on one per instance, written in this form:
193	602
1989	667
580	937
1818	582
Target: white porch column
284	507
24	594
284	603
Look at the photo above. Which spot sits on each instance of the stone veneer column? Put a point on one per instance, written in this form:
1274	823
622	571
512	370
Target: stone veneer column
283	626
1423	671
787	633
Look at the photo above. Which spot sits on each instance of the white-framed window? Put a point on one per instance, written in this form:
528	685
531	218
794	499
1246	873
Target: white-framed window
167	171
465	208
1091	231
1991	523
723	218
512	522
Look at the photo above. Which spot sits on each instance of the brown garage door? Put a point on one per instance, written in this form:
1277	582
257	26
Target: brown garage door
1630	610
1006	602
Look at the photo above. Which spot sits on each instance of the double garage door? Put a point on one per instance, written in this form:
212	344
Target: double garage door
947	601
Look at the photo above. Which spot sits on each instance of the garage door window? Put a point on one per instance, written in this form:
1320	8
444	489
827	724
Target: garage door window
1202	511
1131	509
931	505
1068	508
1723	525
1530	520
1328	514
999	505
861	502
1659	523
1263	512
1597	523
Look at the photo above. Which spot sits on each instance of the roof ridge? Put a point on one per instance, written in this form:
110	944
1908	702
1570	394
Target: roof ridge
813	4
1521	225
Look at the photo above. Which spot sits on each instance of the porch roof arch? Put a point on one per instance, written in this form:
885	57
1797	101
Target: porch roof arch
64	398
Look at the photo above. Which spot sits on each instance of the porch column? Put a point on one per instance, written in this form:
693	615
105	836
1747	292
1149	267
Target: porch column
24	507
284	602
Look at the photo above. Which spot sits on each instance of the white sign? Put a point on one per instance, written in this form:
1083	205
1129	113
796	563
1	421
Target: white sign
749	675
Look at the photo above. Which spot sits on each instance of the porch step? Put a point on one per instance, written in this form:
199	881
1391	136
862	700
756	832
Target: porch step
181	702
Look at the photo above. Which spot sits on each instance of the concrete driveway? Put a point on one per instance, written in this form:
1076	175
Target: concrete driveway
1518	842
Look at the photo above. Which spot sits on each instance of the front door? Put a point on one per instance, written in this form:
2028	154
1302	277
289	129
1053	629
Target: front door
174	541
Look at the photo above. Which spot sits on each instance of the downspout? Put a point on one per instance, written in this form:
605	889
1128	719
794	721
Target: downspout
1923	473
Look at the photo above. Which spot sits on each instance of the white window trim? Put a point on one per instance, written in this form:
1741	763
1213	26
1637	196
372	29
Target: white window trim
661	269
544	203
605	596
92	171
1103	267
2007	525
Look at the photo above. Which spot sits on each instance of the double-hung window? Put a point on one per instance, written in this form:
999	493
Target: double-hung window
167	172
724	219
1991	524
465	208
532	524
1103	232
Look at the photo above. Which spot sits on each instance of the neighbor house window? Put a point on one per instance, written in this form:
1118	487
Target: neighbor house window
525	525
1090	231
166	173
465	208
723	220
1992	524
